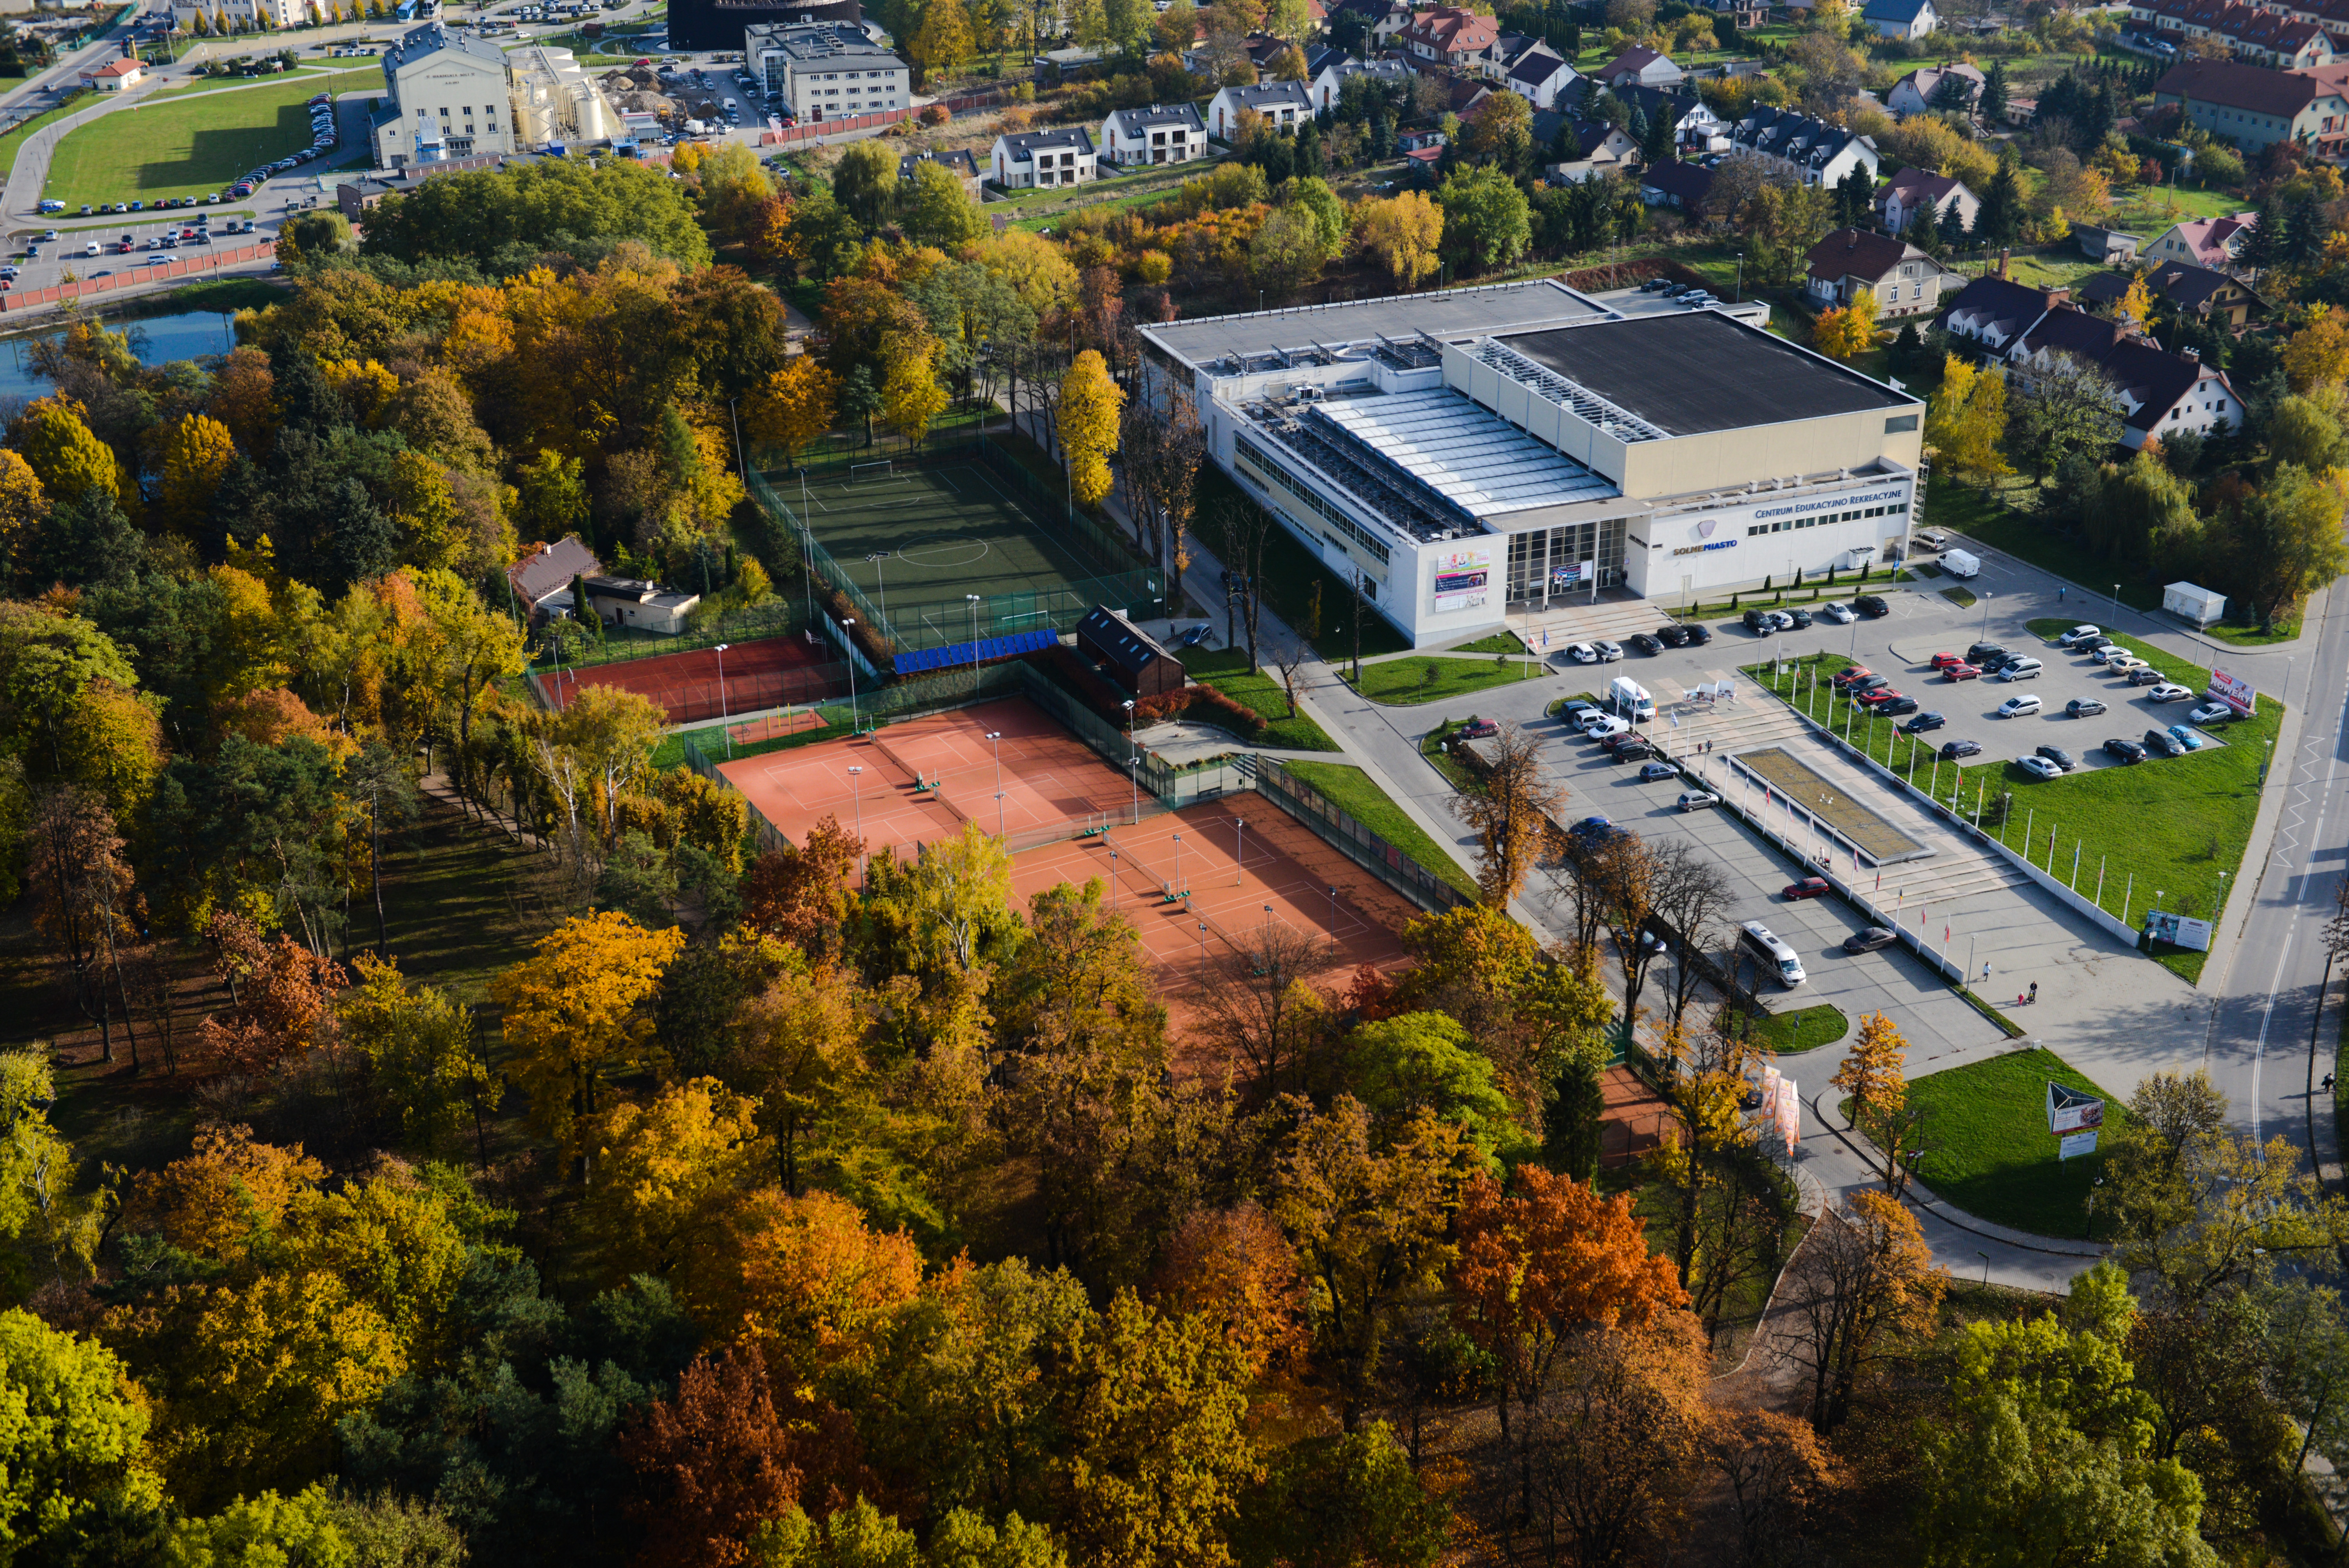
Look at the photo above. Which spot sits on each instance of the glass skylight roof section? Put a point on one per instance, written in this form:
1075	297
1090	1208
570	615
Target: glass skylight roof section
1579	400
1476	463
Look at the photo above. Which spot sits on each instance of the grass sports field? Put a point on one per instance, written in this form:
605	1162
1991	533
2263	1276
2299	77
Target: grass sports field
917	541
191	146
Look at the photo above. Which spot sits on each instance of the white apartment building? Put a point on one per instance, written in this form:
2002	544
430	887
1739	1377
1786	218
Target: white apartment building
447	95
826	70
1471	450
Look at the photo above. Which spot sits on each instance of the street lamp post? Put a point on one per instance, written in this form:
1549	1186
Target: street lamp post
973	599
997	737
725	719
1133	761
1987	597
2116	601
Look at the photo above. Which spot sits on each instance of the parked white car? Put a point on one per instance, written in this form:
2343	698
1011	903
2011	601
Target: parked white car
2167	691
2039	767
2080	634
2016	706
2021	670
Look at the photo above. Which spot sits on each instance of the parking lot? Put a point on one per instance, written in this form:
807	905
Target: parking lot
51	259
1902	647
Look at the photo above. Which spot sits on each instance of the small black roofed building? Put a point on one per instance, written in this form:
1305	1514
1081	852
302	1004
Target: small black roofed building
1128	654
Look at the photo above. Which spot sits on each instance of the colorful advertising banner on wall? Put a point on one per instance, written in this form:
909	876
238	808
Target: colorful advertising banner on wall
1463	578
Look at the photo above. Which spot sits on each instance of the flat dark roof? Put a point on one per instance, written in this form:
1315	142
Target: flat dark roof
1702	371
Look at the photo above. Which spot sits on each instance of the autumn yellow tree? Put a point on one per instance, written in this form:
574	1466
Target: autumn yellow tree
67	456
943	43
1402	232
22	503
668	1175
1846	330
793	406
1870	1072
805	1275
196	454
1967	419
573	1014
1090	403
2318	354
911	396
2136	302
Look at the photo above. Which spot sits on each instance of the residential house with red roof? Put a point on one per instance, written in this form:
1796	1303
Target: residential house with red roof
1640	66
1449	36
2205	241
1914	190
2252	33
2255	108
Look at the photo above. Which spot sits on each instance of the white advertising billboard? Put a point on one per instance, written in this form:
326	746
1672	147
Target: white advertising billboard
2235	693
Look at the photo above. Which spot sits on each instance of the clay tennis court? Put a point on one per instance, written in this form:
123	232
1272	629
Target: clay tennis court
772	672
1200	905
1058	790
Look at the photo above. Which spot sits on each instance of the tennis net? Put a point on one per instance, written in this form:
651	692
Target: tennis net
1139	876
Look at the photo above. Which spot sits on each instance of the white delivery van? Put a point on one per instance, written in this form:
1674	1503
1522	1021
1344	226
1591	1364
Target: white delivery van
1773	953
1631	699
1960	564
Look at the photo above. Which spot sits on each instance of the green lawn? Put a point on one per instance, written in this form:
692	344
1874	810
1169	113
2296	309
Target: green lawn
13	142
1406	682
1351	791
1989	1151
189	148
2168	826
1262	694
1962	598
2033	537
1498	642
2252	637
670	752
1806	1029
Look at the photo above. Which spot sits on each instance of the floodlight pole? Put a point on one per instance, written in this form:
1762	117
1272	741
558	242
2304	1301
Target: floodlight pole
973	598
997	736
880	588
1239	848
1133	762
848	635
725	719
856	783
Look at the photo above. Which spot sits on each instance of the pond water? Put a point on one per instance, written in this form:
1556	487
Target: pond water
168	337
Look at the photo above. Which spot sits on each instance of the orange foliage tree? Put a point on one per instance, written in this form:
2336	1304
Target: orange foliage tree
281	995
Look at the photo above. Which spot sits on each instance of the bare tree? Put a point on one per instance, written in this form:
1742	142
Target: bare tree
1628	894
1510	814
1256	1003
1862	1279
1288	656
1775	1472
1692	896
1245	528
83	892
1577	878
1160	444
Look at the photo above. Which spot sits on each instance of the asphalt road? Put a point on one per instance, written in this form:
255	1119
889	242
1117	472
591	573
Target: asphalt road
2258	1045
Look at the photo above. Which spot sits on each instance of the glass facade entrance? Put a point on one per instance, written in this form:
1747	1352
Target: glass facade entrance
1551	563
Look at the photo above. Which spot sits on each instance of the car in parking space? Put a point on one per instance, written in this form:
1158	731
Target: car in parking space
1871	605
1578	709
1698	799
1634	749
1896	706
1478	728
1879	697
1672	635
2117	657
1925	721
1841	615
2160	742
1809	887
1869	940
2123	752
1583	653
2146	676
2000	662
1653	771
2020	670
1602	727
1594	828
2092	644
2078	634
1616	741
1848	673
2058	756
1609	652
2039	767
1642	642
1944	661
1961	671
2187	737
1952	751
1801	619
2168	692
2083	708
1698	637
2210	712
1761	623
1982	652
2016	706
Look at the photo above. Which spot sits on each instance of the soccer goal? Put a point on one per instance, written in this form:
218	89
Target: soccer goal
858	473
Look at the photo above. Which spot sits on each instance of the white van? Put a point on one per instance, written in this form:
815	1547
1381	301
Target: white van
1774	952
1961	563
1631	699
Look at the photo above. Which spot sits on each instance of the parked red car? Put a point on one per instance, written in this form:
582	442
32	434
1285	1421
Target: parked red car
1809	887
1844	678
1961	671
1881	694
1944	661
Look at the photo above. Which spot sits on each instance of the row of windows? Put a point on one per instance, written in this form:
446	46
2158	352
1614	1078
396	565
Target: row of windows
1257	466
1784	523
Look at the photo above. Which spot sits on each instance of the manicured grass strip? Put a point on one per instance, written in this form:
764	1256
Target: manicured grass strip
1804	1031
1351	791
190	147
1962	598
1498	642
1989	1149
1261	694
1434	679
2173	826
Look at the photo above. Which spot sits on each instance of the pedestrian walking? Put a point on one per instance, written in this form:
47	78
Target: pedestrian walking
2059	592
